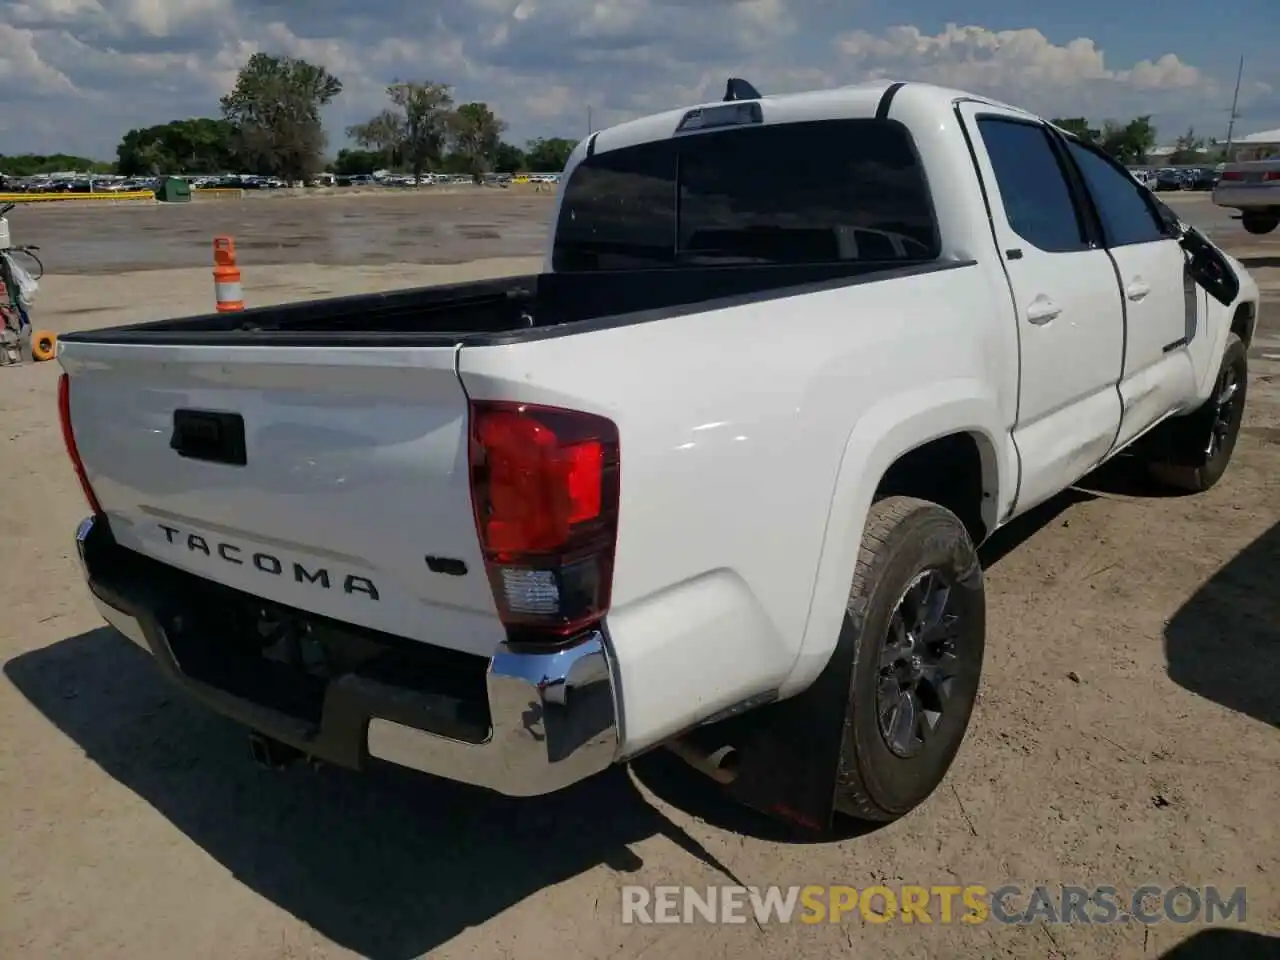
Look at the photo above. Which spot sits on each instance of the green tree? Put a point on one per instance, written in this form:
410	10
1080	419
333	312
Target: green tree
197	145
414	129
1080	127
349	163
1189	141
455	163
509	158
275	109
33	164
382	137
1129	142
1190	148
476	134
548	155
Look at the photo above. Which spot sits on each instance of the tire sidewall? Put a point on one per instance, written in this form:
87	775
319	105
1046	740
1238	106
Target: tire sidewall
1259	224
1211	471
930	537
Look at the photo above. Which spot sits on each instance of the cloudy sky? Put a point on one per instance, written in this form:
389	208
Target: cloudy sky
75	74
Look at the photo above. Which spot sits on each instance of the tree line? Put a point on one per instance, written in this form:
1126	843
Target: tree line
270	125
1132	143
34	164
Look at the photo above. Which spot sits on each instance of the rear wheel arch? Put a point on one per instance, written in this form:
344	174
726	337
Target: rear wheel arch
884	459
958	471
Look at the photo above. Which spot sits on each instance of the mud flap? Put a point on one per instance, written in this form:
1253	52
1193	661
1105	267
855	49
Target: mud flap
789	751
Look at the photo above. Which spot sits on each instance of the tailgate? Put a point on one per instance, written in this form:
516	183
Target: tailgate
330	479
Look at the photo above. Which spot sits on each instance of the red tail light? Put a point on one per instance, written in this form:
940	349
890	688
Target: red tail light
1232	175
544	487
69	438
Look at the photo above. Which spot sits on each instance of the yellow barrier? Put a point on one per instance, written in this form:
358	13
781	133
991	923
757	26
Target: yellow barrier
218	193
64	197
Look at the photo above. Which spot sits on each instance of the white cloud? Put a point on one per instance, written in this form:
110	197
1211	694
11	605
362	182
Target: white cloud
154	18
978	59
103	66
22	69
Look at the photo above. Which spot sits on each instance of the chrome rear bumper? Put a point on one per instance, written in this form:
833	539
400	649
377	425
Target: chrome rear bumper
553	715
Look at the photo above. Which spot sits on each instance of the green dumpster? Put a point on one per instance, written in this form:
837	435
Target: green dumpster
173	190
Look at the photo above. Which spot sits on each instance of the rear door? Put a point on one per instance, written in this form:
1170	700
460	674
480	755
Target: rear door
1071	321
1159	297
331	479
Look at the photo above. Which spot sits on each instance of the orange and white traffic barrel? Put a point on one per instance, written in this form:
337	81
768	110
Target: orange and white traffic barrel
226	276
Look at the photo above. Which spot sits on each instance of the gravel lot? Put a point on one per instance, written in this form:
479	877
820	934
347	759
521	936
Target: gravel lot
1128	730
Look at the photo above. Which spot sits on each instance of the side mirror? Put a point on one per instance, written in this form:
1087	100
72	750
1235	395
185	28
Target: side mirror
1209	267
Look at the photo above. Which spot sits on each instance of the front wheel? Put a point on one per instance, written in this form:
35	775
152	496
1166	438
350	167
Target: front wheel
1200	444
1260	223
919	612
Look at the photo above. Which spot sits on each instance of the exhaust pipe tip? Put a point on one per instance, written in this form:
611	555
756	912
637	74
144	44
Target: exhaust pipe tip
721	764
271	754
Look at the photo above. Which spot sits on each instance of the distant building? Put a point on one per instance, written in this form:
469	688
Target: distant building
1257	146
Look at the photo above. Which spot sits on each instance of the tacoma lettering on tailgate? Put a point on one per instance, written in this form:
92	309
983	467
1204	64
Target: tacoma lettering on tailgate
268	563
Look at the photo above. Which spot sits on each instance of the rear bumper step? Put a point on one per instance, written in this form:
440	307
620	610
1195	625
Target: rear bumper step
520	724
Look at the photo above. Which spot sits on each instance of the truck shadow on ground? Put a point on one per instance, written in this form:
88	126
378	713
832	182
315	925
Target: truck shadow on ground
1219	943
392	864
1224	642
1022	528
1125	475
389	864
1258	263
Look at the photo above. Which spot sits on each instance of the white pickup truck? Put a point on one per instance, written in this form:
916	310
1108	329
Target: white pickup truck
712	480
1253	188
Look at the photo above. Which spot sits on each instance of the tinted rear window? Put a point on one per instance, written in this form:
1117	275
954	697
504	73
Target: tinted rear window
801	193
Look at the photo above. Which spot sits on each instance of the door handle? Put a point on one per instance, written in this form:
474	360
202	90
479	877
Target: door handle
1137	290
1042	310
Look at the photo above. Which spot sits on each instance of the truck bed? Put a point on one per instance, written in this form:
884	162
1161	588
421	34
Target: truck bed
497	311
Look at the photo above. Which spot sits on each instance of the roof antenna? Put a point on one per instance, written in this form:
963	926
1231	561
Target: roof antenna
738	89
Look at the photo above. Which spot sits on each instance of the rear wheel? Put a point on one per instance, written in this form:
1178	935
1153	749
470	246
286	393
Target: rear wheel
1259	223
1198	447
918	606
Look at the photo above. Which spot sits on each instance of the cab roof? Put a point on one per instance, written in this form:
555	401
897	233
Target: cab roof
859	101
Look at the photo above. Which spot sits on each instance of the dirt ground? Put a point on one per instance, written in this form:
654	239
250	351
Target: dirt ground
1127	731
442	225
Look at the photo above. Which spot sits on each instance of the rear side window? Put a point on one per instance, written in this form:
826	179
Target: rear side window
619	211
1033	185
800	193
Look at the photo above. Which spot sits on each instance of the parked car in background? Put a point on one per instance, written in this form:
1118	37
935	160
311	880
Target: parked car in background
1169	178
1200	178
1143	176
1253	188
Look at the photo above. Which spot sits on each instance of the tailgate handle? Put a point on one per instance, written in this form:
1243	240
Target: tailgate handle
209	435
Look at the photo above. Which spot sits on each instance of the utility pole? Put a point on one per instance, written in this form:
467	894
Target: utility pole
590	129
1231	123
